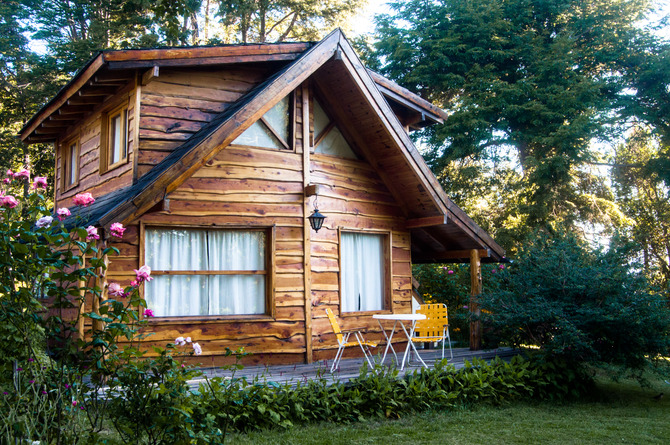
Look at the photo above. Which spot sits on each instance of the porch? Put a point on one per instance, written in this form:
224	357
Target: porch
349	367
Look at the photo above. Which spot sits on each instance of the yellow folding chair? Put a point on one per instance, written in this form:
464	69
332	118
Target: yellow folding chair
435	327
343	341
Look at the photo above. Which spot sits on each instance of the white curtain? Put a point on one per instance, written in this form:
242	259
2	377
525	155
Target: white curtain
201	250
362	271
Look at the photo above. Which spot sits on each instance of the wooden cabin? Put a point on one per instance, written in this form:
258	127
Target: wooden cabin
214	157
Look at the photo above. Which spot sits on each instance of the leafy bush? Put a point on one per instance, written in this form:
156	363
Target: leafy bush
53	382
581	305
237	405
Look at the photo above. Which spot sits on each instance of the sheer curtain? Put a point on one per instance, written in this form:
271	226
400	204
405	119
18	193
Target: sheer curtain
237	294
201	250
362	271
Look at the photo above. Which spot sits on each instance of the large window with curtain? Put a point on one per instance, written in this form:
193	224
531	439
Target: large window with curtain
363	259
199	272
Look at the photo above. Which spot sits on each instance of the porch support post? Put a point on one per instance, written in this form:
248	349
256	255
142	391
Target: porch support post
307	229
475	289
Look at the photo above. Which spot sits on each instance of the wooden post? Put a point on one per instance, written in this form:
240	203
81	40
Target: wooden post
82	306
100	283
307	229
475	289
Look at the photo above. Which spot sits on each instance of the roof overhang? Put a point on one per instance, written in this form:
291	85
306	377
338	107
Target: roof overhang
110	71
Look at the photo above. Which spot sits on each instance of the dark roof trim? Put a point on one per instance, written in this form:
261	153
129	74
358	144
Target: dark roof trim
406	97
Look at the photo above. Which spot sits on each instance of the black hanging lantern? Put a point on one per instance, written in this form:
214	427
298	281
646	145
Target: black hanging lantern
316	220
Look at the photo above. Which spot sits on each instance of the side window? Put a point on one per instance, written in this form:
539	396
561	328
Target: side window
271	130
363	266
328	139
114	149
70	163
207	272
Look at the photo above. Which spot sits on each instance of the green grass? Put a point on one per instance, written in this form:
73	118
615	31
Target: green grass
617	413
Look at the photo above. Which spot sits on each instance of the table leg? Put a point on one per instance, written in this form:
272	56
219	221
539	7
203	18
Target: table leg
388	341
410	344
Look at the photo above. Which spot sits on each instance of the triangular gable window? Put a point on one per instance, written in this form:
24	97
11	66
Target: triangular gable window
271	130
328	138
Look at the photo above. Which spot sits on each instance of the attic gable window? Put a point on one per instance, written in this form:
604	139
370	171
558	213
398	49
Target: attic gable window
271	130
328	138
70	163
114	150
200	272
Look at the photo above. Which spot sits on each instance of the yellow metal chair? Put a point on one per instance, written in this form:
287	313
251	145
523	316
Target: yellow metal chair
343	341
435	327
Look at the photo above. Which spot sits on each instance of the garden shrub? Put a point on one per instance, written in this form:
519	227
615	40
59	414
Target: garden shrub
578	305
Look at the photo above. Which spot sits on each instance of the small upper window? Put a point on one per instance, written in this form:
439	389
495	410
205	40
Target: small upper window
115	151
328	138
70	164
271	130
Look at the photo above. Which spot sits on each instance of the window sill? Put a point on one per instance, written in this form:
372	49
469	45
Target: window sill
365	313
209	319
107	169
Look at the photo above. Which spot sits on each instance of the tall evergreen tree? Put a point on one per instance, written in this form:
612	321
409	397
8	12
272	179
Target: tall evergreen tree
539	80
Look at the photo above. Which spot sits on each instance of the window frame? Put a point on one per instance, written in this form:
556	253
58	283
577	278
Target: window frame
388	276
68	180
269	273
107	134
317	139
287	145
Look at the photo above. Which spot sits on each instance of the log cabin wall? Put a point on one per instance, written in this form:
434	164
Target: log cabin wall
255	187
353	197
179	102
88	135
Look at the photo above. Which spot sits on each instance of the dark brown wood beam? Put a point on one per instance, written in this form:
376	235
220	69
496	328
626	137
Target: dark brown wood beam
194	53
203	61
78	101
97	91
475	290
428	221
150	75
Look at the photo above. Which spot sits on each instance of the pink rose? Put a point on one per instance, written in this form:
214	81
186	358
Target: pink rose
9	201
143	274
148	313
197	349
22	174
117	230
92	233
116	290
63	213
40	182
83	199
6	180
179	341
451	272
134	283
10	173
502	266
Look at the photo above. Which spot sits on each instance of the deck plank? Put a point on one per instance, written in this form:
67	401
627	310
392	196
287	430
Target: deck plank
349	368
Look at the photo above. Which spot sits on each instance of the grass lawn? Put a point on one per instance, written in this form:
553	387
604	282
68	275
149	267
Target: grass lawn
617	413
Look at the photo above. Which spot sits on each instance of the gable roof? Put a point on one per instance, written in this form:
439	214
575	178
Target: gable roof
441	232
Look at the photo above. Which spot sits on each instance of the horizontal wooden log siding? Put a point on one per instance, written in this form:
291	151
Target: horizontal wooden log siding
353	196
245	186
88	133
177	103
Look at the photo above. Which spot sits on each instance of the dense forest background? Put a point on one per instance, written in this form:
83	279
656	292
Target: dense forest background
559	109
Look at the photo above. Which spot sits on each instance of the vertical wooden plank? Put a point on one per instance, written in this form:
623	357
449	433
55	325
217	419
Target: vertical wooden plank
307	229
475	289
136	129
82	305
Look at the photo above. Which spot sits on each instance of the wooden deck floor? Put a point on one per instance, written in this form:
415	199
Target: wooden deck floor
349	368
